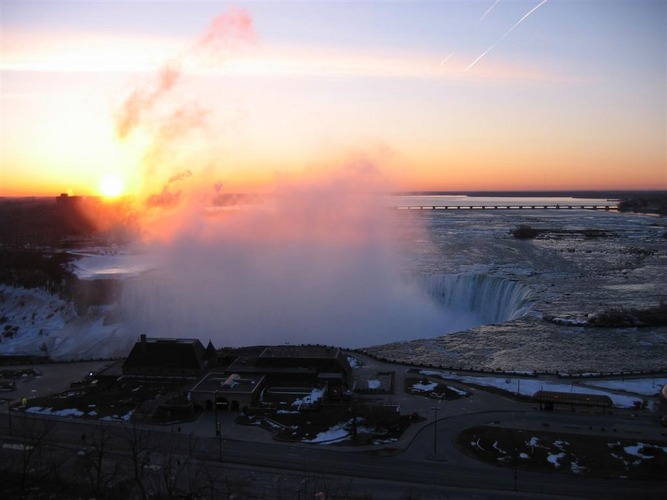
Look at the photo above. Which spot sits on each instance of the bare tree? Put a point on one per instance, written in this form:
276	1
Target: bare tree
98	468
140	444
32	433
178	475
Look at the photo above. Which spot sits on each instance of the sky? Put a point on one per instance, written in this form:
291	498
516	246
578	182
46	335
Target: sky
438	95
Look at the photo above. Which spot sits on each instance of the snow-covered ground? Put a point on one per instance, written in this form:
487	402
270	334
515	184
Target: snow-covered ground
528	387
643	387
117	265
36	322
73	412
559	453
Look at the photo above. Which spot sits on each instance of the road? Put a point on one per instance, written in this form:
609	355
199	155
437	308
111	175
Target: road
450	474
262	467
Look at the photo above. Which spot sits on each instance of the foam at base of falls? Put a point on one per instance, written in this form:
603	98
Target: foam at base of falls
284	311
491	299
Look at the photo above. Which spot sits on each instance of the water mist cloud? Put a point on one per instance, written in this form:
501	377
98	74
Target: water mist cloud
218	42
318	261
318	258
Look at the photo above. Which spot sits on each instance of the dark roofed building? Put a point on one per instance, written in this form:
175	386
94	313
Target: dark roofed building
211	353
320	358
301	366
167	357
548	399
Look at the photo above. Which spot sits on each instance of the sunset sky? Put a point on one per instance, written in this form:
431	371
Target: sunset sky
438	95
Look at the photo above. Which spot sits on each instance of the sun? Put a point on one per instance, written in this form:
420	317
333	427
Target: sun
111	186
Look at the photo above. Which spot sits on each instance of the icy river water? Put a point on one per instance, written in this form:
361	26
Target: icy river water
500	302
563	274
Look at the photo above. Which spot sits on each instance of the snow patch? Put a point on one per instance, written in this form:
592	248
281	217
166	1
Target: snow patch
353	362
66	412
553	458
314	397
528	387
374	384
419	387
335	434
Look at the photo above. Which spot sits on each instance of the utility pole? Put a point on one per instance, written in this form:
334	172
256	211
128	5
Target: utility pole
9	414
516	471
435	431
215	412
217	428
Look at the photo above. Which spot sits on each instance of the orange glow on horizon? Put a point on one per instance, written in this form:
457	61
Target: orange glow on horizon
239	113
441	177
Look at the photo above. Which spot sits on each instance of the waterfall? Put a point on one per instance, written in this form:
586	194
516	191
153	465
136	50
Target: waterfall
493	300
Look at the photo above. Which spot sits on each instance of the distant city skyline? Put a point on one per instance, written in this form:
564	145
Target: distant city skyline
128	97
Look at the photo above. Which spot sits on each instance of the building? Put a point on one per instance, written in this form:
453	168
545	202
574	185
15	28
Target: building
549	399
299	366
305	364
290	371
227	391
169	358
71	215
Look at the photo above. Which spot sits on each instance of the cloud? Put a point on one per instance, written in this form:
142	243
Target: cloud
220	39
244	58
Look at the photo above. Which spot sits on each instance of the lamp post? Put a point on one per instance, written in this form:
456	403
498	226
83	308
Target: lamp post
9	414
217	427
435	431
516	471
215	413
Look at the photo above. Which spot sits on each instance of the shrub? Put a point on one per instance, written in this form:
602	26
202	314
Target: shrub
652	316
524	232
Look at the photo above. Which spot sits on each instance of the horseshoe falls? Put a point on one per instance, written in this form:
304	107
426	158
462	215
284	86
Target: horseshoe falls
491	300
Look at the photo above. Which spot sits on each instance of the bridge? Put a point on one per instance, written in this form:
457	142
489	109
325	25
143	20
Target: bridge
507	207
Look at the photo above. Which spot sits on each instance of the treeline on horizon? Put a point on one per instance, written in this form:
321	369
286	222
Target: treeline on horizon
40	220
610	194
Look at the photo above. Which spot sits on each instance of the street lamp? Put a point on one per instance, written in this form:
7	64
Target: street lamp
215	412
9	414
217	427
435	431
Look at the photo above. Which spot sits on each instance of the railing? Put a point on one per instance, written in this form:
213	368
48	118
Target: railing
506	207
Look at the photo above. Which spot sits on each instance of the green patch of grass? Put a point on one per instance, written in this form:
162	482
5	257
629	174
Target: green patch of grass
568	453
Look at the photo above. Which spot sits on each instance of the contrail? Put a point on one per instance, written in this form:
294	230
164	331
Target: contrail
506	33
489	10
443	61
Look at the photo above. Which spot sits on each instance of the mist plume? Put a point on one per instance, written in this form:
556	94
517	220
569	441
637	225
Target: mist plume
317	257
221	38
319	261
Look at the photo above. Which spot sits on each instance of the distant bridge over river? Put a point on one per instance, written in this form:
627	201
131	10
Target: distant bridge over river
507	207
